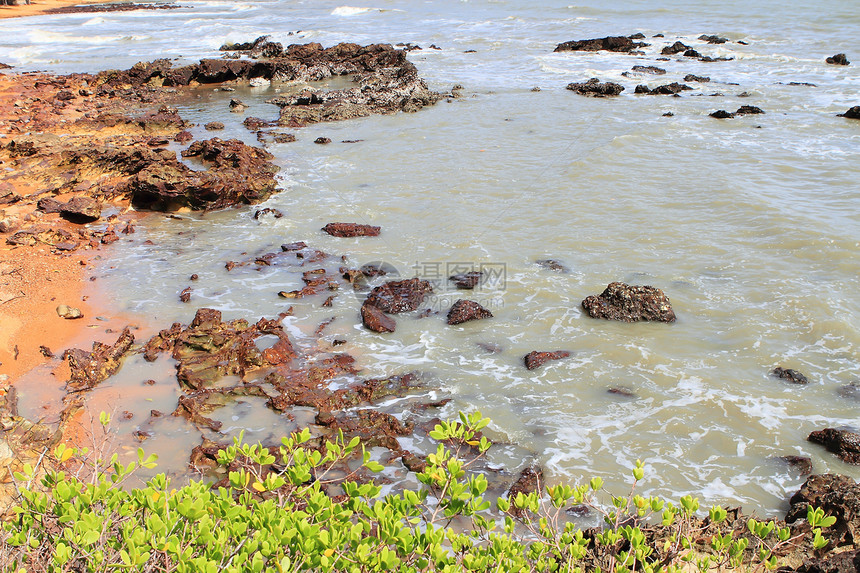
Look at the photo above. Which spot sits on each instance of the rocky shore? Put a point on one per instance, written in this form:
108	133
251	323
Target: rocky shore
88	152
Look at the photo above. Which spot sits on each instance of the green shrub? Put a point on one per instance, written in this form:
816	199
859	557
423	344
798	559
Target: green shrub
276	514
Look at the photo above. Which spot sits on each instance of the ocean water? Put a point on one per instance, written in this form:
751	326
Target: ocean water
749	225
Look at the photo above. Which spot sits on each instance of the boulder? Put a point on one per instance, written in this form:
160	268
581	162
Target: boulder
713	39
667	89
594	88
609	43
395	297
838	496
628	303
838	60
843	443
853	113
351	230
536	358
695	78
214	126
721	114
675	48
466	310
81	209
749	110
789	375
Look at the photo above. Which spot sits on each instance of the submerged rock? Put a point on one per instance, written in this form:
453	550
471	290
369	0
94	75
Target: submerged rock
466	281
595	88
351	230
553	265
395	297
801	464
628	303
838	60
466	310
609	43
789	375
536	358
845	444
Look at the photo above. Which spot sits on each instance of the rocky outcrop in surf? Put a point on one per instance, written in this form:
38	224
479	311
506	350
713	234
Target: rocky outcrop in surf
628	303
609	44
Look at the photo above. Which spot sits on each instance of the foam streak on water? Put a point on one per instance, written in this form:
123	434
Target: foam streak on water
750	225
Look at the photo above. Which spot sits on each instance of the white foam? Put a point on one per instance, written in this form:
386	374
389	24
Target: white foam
350	11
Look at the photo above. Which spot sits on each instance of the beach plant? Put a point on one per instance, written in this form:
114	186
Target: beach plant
295	508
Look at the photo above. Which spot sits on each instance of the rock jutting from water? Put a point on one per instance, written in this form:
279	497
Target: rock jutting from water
395	297
351	230
466	310
536	359
853	113
627	303
789	375
667	89
843	443
609	44
595	88
838	60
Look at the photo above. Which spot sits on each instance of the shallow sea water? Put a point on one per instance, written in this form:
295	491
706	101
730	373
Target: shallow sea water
749	225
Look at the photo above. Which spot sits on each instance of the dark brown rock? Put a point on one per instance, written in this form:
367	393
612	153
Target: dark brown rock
721	114
185	295
691	53
399	296
789	375
641	70
237	174
594	88
843	443
268	211
322	140
529	481
713	39
466	310
49	205
675	48
466	281
535	359
695	78
183	137
374	319
844	562
667	89
90	368
81	209
351	230
609	43
749	110
255	123
630	304
838	496
284	137
214	126
853	113
838	60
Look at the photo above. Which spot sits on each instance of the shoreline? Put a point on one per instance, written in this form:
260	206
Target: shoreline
43	7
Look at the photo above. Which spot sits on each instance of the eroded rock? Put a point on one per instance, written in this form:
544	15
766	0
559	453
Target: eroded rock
374	319
838	60
395	297
843	443
88	368
595	88
466	310
630	304
609	43
789	375
351	230
536	359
